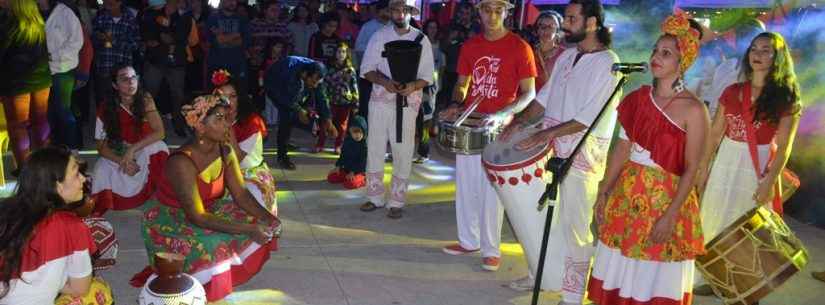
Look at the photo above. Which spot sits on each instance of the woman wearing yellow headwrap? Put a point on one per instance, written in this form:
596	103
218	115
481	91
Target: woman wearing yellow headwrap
225	239
647	210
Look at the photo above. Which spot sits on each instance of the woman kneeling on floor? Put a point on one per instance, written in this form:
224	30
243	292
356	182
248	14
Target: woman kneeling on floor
45	249
226	241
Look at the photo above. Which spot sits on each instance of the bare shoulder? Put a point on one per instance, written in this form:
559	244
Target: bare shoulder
690	105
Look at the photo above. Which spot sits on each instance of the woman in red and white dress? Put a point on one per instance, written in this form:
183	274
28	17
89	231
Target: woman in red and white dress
129	134
247	139
763	110
44	247
647	209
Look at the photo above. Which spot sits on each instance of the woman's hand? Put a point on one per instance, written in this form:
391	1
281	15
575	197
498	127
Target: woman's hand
260	234
764	191
599	207
663	228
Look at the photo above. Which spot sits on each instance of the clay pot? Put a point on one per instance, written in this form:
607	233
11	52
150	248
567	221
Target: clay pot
170	286
171	279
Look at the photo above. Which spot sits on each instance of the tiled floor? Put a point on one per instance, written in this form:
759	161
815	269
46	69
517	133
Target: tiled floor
333	254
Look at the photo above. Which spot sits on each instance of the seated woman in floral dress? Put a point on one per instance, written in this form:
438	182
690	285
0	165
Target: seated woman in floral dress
226	240
129	134
247	139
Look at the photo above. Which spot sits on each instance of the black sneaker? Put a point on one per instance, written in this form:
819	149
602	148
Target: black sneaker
286	164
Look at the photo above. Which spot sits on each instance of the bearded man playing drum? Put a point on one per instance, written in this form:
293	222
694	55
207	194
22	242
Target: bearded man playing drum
578	88
382	114
498	69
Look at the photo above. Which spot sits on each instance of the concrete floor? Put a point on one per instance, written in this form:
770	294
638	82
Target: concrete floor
333	254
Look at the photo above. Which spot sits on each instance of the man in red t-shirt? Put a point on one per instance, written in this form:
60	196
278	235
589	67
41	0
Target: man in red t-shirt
497	68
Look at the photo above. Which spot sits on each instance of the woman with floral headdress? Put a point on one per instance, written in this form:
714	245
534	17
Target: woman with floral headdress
226	240
247	139
129	134
647	210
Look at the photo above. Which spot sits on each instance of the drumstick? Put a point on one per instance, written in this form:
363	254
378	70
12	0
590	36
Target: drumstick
467	112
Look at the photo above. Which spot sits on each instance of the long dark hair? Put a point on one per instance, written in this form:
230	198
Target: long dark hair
245	106
781	95
594	8
35	197
111	119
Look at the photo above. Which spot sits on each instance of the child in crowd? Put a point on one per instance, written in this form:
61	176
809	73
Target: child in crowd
352	163
342	89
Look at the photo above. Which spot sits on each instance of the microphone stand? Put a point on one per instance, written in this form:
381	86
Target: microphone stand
560	167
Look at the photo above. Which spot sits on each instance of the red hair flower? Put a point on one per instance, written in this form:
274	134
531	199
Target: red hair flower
220	77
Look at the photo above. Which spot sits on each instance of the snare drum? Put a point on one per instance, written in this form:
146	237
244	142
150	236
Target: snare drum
519	179
752	257
469	138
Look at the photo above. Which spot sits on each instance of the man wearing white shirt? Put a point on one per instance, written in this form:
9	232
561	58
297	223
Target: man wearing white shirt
578	88
382	115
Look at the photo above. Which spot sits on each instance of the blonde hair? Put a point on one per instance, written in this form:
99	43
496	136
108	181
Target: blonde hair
30	27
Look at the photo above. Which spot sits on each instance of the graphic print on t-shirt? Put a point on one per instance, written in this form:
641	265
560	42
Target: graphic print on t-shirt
485	78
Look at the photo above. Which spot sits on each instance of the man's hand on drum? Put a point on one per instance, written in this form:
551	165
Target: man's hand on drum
406	89
451	113
513	128
496	119
391	85
664	226
539	138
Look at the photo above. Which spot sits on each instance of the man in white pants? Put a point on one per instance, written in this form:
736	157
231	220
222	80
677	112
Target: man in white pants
497	67
381	117
578	88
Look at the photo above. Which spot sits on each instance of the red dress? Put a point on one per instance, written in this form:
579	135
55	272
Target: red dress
629	267
111	188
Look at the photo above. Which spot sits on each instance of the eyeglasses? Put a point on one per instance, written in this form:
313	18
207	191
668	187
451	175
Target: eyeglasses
124	79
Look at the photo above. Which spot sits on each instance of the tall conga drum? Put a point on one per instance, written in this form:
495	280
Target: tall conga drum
519	179
752	257
403	57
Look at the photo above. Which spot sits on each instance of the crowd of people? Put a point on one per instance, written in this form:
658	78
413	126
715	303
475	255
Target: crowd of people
232	73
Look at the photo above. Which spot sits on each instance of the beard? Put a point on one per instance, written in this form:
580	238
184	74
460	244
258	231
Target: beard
402	24
571	37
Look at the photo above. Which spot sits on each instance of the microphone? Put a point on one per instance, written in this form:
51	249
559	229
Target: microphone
629	67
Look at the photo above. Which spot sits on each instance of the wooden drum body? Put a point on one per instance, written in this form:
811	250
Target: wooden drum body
752	257
519	180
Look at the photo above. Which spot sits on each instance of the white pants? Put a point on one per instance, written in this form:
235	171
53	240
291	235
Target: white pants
381	126
571	240
478	211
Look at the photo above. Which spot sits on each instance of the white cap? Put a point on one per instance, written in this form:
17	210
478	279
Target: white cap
506	3
408	3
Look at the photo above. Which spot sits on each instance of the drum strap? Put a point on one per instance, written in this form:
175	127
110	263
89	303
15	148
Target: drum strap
750	134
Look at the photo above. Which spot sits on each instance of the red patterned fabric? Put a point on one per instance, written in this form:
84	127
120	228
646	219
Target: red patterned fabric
252	125
736	128
209	191
58	235
599	295
646	125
